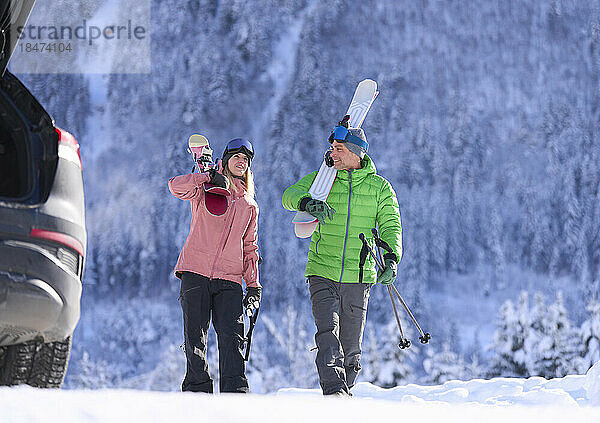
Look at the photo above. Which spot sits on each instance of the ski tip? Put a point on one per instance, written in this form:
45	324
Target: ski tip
197	140
368	81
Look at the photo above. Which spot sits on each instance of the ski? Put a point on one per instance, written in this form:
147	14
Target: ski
201	153
215	198
364	95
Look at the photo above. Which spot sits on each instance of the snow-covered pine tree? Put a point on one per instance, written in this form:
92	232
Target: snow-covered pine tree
537	340
388	366
509	339
474	369
444	365
92	374
589	334
559	359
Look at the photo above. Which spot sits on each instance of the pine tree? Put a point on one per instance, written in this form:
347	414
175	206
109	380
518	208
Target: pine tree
92	374
537	341
444	365
590	336
508	345
560	358
390	365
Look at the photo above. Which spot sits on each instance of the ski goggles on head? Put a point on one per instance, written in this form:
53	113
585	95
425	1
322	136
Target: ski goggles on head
240	145
342	134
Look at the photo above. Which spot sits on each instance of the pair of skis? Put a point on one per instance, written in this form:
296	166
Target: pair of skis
215	198
364	95
201	153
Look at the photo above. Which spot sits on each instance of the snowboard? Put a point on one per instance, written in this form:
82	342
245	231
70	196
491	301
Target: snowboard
215	198
364	95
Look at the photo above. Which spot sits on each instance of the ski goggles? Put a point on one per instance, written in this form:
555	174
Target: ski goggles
240	145
342	134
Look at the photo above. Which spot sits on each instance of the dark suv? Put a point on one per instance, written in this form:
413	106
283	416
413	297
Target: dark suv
42	228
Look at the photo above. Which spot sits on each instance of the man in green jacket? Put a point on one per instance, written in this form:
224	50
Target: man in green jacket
359	200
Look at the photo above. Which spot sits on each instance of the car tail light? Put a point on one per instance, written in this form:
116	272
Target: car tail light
61	238
68	147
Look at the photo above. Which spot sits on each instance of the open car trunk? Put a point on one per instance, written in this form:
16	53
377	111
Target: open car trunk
16	176
15	159
28	141
28	145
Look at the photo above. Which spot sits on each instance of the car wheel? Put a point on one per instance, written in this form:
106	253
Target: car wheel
38	364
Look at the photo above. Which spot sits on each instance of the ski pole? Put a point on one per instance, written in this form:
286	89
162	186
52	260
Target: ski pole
377	261
249	334
425	337
253	319
404	343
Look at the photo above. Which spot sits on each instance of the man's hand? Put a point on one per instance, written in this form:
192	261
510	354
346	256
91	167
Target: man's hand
388	275
252	299
217	179
319	209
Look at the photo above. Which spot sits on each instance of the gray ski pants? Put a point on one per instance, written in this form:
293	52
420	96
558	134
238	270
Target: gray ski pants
340	312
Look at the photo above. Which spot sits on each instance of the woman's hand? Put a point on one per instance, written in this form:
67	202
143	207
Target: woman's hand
218	179
252	299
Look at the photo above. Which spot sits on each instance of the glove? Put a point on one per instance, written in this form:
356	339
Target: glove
217	179
388	275
252	299
319	209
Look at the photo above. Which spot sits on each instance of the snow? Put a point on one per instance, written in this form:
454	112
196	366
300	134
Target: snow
592	384
573	397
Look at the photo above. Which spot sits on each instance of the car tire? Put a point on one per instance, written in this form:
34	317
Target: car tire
35	363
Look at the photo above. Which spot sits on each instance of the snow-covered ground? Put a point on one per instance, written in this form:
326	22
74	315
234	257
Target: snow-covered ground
572	398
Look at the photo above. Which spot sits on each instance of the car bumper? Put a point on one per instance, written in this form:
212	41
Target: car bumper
39	295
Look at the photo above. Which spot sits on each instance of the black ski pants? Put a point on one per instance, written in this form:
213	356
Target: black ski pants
340	312
201	296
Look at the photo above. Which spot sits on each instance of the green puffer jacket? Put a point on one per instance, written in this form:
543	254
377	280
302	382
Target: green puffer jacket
369	199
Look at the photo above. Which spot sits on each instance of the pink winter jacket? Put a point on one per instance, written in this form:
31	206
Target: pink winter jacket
219	247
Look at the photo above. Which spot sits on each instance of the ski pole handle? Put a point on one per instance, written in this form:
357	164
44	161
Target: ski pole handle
379	264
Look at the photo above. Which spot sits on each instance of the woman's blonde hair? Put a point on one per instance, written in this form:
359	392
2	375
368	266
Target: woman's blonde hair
248	178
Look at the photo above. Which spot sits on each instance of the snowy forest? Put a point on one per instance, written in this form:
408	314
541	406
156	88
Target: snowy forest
487	125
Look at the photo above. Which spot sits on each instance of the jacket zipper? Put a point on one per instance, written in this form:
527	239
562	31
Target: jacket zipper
347	222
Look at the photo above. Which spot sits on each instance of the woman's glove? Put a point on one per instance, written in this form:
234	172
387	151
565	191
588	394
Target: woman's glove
217	179
319	209
252	299
388	275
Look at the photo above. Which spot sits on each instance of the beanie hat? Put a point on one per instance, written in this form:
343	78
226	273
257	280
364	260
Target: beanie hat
354	146
353	138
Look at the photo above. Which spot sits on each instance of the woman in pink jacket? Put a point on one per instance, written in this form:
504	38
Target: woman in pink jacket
220	251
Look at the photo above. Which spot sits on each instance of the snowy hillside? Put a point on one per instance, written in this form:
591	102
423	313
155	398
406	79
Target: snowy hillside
573	398
486	125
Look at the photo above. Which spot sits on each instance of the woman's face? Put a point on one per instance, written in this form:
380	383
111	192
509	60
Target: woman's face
238	164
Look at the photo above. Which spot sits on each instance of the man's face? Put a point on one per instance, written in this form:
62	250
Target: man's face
343	158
